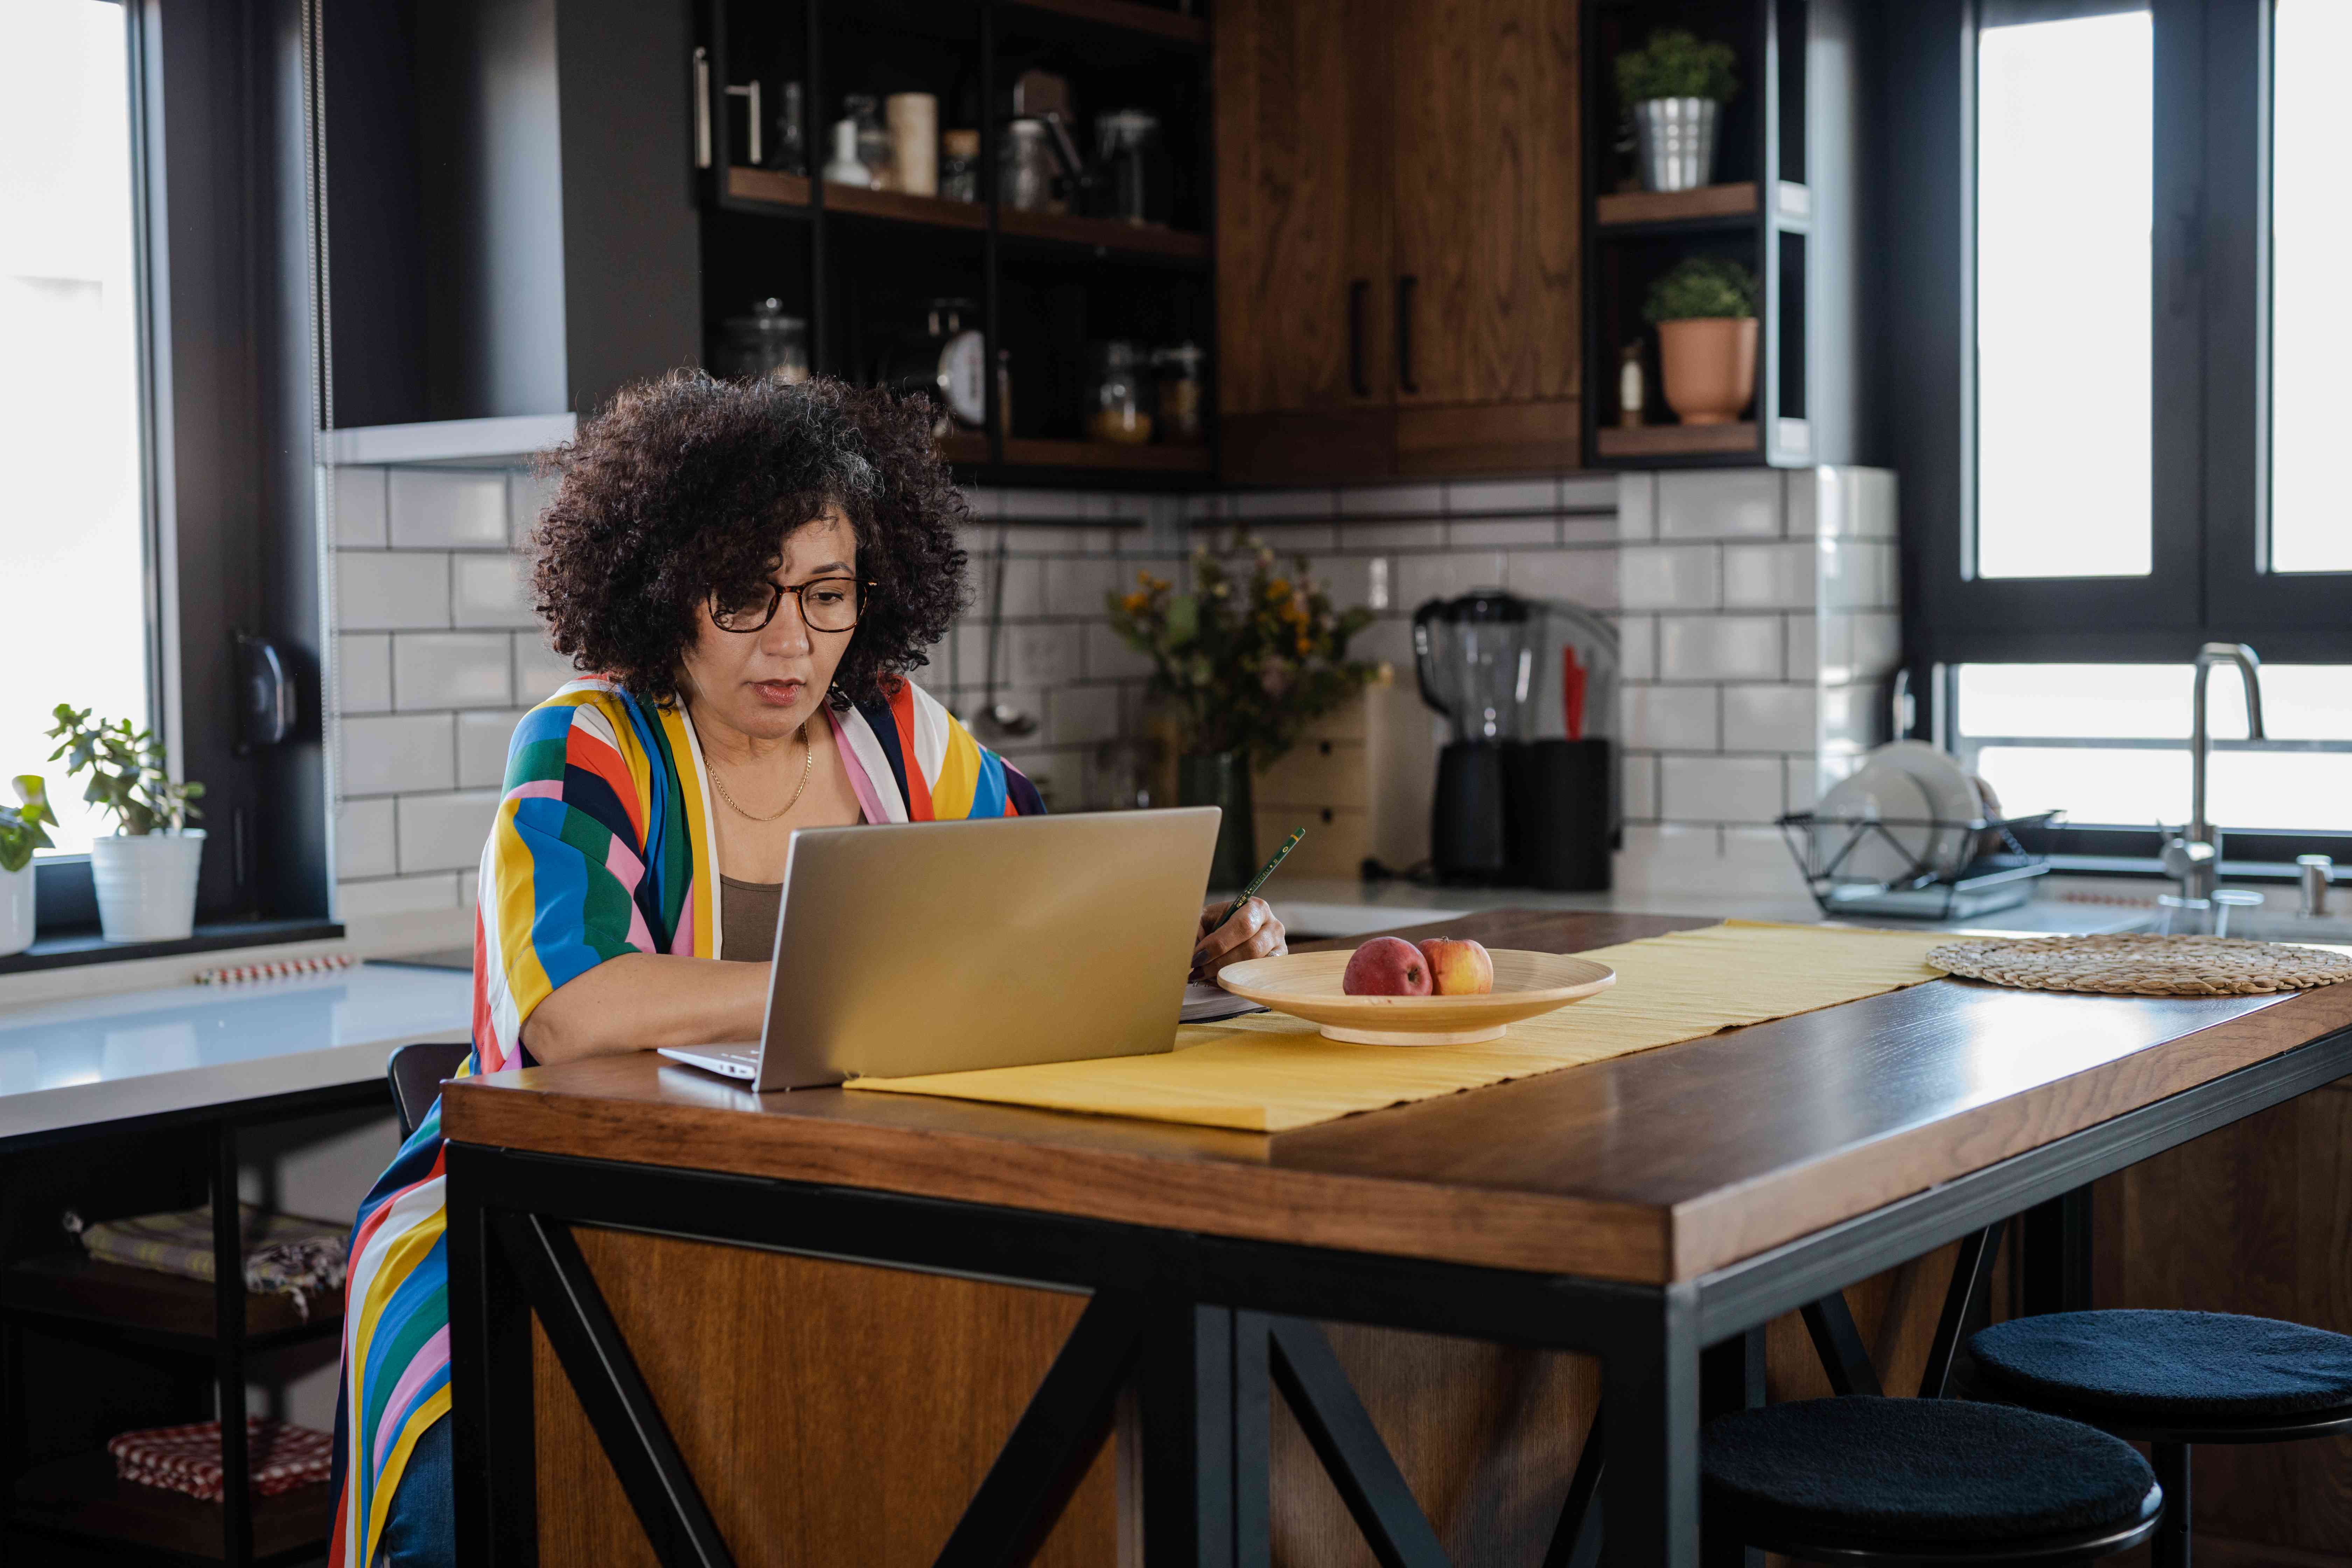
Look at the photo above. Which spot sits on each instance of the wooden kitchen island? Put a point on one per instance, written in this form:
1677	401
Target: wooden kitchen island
693	1324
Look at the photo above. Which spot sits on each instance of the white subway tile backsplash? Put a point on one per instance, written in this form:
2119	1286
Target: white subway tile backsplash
539	669
1803	650
1392	536
1720	648
1508	532
1770	576
1082	715
1801	785
1800	496
1108	658
445	832
359	508
1637	506
1024	587
452	670
364	839
1348	579
1719	789
1393	500
1682	717
1043	655
1769	719
490	591
363	672
395	895
1478	498
391	592
528	497
1637	646
1586	577
1849	720
434	509
482	739
389	755
1420	578
1877	644
1039	505
1588	492
1670	577
1719	504
1077	584
1289	539
1876	497
1319	500
1387	640
1641	785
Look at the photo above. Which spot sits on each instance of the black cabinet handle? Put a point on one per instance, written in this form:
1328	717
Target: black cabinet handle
1407	286
1359	293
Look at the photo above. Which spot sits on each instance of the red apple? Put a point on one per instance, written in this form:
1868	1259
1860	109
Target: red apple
1386	966
1458	968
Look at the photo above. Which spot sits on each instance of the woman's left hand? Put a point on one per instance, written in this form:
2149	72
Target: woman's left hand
1253	932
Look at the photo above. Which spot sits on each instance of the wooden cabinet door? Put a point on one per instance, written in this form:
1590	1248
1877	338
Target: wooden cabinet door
1487	305
1303	237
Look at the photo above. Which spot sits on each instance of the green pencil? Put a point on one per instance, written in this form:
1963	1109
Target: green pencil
1258	881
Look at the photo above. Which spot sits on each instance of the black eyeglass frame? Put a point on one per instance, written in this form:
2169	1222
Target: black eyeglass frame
776	591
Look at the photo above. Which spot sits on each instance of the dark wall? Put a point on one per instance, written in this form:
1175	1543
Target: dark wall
375	212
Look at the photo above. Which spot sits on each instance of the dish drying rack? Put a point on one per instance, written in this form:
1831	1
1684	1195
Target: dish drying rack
1828	849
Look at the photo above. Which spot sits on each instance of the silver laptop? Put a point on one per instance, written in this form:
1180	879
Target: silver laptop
954	946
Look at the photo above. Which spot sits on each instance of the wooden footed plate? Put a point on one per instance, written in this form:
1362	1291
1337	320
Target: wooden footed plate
1307	985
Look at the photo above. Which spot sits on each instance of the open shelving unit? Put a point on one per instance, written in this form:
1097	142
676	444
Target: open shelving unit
862	266
1780	207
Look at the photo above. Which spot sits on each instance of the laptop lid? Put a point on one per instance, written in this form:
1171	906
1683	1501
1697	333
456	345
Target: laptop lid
947	946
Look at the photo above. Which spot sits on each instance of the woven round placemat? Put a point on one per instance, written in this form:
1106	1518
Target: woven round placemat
2141	966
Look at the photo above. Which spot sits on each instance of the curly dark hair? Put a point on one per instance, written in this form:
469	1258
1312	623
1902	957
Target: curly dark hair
684	487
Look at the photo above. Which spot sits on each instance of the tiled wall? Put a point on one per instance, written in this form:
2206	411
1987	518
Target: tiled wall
1759	617
1756	609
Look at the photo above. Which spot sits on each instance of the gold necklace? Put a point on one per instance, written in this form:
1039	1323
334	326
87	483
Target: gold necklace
807	767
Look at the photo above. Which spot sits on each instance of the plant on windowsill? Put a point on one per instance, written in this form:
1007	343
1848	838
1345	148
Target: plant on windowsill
1705	310
145	873
1243	665
1673	88
22	831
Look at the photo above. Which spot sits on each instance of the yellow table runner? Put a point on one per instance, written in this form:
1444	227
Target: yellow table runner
1269	1073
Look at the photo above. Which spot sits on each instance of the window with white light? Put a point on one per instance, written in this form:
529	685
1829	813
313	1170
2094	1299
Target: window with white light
2064	160
72	513
2311	236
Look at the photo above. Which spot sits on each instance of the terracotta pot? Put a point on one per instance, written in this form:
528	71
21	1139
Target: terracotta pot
1708	367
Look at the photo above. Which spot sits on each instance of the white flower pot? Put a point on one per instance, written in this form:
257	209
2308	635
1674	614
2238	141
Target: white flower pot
147	885
15	911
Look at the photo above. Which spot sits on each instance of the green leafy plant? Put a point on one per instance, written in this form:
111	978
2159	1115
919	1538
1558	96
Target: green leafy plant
21	830
1701	287
127	771
1675	64
1246	663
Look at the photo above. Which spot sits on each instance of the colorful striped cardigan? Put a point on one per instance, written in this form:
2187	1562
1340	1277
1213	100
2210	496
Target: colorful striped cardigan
601	846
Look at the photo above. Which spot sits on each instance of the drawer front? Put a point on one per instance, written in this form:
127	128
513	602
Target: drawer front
1336	844
1317	773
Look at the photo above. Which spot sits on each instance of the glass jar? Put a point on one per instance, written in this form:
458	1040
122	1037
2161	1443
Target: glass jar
960	166
1134	179
1117	410
767	343
1179	394
1025	183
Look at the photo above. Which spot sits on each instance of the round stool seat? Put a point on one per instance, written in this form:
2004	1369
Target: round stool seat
2167	1366
1945	1471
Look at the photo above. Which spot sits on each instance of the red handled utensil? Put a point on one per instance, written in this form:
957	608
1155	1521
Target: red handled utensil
1572	692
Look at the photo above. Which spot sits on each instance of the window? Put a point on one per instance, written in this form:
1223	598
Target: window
72	509
2311	236
2064	150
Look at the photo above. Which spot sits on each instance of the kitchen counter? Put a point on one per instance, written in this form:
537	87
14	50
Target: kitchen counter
94	1059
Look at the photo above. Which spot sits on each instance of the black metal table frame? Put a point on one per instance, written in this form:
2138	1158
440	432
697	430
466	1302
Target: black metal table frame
1206	1326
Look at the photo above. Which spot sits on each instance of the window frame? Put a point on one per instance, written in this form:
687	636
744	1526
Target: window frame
2210	359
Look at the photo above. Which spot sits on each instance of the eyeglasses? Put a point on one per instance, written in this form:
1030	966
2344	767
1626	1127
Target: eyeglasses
827	604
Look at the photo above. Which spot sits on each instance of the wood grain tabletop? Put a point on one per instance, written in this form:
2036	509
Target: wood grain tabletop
1655	1166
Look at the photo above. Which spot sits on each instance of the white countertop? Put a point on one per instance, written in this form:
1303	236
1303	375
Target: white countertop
98	1058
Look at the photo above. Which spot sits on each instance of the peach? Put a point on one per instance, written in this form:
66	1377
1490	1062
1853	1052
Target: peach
1386	966
1458	968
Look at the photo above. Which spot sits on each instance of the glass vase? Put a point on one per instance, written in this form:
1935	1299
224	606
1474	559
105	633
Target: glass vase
1222	779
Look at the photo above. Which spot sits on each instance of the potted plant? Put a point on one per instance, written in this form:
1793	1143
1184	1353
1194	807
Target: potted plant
1243	665
146	872
1705	310
1674	87
21	833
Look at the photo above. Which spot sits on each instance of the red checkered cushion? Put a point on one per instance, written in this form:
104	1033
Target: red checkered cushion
187	1458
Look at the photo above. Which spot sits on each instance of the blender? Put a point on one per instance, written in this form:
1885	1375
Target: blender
1474	657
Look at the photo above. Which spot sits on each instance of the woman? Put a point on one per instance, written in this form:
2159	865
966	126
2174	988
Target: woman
753	567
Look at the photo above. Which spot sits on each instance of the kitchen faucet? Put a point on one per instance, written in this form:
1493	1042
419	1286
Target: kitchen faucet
2195	857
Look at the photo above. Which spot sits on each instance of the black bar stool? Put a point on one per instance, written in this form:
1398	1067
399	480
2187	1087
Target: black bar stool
2172	1379
1862	1479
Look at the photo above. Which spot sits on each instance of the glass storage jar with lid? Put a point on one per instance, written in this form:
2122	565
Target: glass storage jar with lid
1179	371
767	343
1119	409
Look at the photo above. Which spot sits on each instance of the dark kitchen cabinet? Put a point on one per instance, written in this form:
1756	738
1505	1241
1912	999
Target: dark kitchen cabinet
1398	211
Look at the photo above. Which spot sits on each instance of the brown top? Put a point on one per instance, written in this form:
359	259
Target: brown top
748	912
1659	1165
